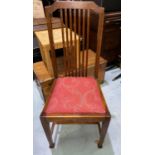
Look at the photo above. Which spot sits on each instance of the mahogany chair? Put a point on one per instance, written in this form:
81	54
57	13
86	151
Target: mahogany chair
75	98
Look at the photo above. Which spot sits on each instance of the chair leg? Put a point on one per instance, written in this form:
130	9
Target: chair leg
46	127
103	131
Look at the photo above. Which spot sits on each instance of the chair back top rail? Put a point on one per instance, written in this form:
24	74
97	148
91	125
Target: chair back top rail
73	5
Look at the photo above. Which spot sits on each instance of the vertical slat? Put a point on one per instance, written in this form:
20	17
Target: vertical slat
75	41
67	43
83	42
79	33
64	46
71	44
87	40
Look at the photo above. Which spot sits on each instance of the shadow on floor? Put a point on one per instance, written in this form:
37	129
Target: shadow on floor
80	140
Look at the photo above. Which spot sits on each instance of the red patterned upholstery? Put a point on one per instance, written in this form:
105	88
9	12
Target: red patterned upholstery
75	95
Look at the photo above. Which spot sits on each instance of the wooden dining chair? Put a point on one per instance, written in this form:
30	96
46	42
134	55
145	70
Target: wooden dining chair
75	98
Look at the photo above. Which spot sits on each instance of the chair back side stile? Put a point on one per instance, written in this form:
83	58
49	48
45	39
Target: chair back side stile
75	27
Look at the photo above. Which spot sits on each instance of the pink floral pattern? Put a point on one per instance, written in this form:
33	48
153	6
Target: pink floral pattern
75	95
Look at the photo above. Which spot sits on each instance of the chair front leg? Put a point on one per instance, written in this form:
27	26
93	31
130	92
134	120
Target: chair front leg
103	131
48	133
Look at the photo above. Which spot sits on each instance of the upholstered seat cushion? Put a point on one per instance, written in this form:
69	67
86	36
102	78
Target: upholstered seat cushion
75	95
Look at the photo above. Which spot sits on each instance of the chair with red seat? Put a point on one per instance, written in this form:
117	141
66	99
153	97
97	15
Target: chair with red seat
75	98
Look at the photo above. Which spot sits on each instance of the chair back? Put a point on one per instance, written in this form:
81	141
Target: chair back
75	17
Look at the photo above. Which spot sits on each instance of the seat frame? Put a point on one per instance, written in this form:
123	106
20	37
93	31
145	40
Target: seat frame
101	120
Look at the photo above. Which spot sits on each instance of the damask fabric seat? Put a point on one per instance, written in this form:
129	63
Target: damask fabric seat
75	95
